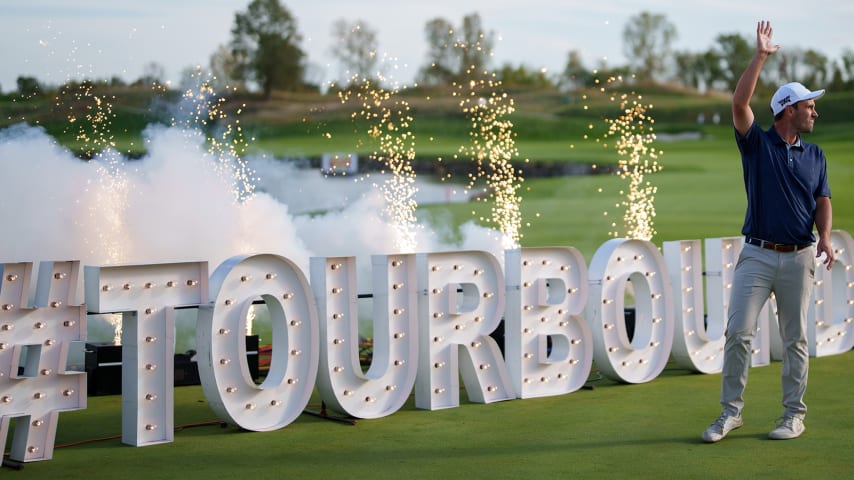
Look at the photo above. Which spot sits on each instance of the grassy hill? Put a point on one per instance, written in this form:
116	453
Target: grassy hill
287	119
297	122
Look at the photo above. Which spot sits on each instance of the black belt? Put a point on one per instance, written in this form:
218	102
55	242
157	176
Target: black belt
777	247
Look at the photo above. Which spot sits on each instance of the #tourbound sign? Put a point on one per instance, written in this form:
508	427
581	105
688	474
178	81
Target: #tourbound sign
433	314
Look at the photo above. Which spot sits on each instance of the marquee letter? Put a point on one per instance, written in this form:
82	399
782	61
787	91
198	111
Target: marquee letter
831	318
387	384
223	368
546	296
463	300
696	345
146	295
34	385
643	357
721	257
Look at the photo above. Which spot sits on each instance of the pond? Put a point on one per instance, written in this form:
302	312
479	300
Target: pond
306	189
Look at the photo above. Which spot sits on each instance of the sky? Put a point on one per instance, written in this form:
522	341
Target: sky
60	40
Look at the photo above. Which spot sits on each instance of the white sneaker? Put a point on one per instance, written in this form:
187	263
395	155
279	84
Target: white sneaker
722	426
788	427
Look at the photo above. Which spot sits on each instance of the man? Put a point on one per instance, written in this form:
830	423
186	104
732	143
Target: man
787	193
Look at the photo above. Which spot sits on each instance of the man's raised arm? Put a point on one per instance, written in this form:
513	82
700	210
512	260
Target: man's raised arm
742	115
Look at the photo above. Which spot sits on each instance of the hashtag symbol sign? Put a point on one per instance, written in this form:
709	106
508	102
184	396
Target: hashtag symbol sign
34	343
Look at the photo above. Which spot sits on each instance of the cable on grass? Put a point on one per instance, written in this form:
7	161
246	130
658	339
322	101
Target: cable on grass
13	463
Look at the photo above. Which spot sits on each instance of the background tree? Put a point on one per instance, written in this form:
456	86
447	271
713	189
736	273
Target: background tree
355	47
453	56
847	60
647	41
710	68
837	82
153	73
522	76
28	86
223	67
809	67
265	45
575	74
700	71
688	69
816	69
602	72
441	64
734	53
787	63
475	47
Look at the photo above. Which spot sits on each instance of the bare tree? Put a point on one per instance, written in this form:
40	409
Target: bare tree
153	73
788	62
223	66
441	65
647	41
356	49
475	46
455	55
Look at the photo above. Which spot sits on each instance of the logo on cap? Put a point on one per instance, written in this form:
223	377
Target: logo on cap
784	101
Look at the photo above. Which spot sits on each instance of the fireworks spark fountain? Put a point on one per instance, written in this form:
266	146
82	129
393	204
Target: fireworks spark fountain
633	135
110	205
111	230
181	201
389	127
492	148
89	119
94	133
201	109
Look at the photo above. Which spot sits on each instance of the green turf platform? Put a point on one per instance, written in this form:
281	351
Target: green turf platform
618	431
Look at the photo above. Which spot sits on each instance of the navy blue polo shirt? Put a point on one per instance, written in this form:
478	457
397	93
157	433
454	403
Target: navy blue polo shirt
782	183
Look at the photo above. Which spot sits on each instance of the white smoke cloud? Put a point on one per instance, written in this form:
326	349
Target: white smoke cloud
173	205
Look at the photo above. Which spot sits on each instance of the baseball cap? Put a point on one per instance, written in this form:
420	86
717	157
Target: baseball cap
791	93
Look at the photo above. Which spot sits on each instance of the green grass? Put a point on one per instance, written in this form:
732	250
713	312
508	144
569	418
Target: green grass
650	430
700	193
621	431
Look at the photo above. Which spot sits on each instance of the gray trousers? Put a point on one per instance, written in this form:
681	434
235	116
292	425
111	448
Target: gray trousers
790	276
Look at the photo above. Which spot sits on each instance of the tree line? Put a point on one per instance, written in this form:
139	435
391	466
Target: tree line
265	54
